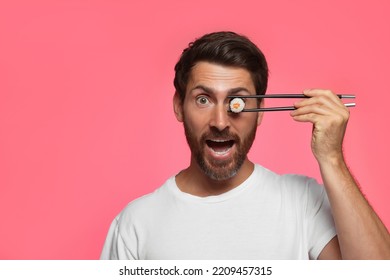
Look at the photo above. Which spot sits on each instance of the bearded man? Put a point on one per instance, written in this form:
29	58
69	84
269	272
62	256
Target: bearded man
223	206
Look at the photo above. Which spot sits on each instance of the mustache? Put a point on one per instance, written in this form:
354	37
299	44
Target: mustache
215	133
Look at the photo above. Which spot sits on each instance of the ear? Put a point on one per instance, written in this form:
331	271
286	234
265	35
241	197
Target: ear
259	118
178	107
260	114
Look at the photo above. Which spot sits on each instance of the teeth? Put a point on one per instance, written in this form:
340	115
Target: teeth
220	147
221	152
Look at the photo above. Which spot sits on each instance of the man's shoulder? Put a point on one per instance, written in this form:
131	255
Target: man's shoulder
289	182
266	173
147	204
153	197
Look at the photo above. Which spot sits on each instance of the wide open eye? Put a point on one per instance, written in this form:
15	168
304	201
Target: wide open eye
202	100
237	105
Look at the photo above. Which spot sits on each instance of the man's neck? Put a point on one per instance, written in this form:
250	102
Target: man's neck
194	181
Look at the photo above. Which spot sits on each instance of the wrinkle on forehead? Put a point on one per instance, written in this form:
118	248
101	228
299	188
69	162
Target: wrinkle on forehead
219	78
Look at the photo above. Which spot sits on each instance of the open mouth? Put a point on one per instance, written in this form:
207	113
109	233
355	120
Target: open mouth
219	146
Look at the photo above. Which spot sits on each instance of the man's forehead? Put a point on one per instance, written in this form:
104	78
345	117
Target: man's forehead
212	77
204	68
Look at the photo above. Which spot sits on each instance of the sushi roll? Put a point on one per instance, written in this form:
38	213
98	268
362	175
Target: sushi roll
237	105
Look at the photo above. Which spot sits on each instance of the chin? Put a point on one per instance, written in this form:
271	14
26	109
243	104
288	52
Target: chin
220	173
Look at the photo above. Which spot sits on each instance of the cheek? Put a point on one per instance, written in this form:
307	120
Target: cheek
196	122
245	120
245	126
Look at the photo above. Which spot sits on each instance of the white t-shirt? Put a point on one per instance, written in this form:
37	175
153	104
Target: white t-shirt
269	216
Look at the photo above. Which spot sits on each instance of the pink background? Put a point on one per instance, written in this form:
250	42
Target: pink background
86	121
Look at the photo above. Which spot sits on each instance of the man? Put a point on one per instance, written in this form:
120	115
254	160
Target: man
223	206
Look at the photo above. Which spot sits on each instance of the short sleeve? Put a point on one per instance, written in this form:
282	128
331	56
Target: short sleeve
114	247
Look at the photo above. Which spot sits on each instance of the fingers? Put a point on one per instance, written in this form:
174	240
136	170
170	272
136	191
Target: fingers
322	103
329	117
321	97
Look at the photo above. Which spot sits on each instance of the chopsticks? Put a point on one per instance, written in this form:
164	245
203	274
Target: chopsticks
285	95
287	108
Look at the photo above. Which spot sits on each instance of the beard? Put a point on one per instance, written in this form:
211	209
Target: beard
219	169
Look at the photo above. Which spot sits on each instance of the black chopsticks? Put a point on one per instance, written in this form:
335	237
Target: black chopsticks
285	95
288	108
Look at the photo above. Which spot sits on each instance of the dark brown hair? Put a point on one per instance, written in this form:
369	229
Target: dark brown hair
224	48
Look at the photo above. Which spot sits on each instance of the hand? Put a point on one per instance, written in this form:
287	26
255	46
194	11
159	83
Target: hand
329	117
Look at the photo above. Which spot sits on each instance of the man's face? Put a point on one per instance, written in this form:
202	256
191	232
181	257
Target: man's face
219	140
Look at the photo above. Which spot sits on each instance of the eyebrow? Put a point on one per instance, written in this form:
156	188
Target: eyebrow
239	89
230	91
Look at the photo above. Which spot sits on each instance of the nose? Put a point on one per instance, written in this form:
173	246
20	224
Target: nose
220	118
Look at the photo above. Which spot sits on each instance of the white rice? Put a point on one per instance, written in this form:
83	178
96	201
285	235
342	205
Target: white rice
237	105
